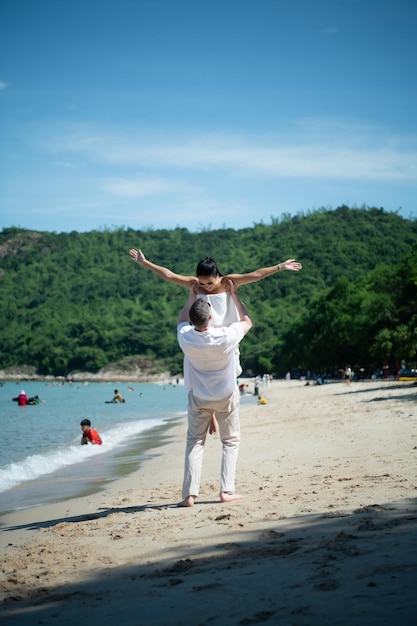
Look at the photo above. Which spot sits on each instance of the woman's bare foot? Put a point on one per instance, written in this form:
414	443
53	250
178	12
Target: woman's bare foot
225	496
213	425
188	501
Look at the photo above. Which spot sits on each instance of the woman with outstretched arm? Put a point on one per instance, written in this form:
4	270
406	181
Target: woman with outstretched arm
214	287
210	280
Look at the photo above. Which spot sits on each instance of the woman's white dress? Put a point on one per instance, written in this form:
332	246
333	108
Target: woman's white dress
223	313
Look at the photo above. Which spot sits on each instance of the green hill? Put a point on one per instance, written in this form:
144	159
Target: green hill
76	301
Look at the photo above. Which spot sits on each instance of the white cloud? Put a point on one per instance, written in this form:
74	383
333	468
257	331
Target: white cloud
312	149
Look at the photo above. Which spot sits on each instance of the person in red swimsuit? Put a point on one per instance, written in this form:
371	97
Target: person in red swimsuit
89	434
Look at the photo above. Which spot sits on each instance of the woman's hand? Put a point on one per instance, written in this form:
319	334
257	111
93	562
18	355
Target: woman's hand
291	264
194	288
137	255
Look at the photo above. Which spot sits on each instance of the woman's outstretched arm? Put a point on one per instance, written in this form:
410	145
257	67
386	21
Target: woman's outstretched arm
264	272
163	272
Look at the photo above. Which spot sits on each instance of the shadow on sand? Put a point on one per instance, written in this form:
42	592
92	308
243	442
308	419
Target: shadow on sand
334	569
411	397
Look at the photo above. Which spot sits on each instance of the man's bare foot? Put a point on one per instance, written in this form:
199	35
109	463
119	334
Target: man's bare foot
188	501
225	496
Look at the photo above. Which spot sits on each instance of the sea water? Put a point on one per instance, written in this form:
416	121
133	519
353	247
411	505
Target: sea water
41	459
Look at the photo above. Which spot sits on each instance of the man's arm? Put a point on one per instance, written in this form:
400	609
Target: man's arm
242	311
184	313
159	270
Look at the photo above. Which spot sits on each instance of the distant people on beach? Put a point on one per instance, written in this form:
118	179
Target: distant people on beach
210	377
21	399
262	400
266	380
317	379
213	286
348	375
89	434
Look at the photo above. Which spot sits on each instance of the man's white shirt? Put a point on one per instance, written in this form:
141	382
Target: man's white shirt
213	352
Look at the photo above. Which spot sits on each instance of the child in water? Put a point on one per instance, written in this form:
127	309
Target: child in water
89	434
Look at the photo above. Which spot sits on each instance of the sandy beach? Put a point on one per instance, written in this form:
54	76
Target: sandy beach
326	533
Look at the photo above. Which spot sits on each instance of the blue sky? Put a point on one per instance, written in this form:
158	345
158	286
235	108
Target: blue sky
204	113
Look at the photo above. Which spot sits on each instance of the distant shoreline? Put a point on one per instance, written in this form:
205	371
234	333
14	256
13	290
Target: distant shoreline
113	376
139	376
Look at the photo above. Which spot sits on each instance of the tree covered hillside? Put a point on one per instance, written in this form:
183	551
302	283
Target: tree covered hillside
77	302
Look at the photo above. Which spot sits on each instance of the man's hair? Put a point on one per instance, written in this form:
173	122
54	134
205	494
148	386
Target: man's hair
85	423
200	313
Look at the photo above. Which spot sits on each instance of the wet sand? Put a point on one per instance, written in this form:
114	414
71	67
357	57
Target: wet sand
326	533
